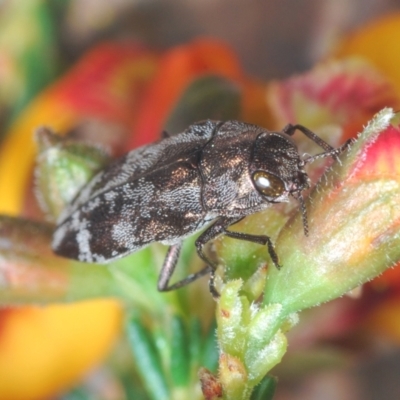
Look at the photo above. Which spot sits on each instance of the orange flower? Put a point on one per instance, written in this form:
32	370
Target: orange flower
376	42
178	67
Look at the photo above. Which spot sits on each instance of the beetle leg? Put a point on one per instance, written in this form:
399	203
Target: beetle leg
220	227
168	268
212	232
260	239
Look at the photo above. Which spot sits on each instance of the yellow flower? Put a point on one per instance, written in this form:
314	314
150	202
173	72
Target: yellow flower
377	42
45	349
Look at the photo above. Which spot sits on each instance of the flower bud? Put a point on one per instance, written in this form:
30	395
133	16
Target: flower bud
354	218
250	338
63	167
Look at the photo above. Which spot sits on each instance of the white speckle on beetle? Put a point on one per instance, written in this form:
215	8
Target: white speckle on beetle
83	239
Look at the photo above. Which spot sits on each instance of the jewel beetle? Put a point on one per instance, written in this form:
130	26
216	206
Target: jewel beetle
209	177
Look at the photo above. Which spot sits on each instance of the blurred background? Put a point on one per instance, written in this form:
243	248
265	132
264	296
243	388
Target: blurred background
272	39
40	40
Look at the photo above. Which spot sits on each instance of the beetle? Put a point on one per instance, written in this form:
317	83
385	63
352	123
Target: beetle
212	175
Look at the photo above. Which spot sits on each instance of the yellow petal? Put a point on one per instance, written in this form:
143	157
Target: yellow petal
378	42
44	350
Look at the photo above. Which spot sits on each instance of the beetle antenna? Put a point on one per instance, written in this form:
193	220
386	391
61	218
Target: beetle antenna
303	209
332	153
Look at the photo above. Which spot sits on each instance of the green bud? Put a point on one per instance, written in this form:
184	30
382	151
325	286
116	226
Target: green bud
63	167
354	219
250	338
233	377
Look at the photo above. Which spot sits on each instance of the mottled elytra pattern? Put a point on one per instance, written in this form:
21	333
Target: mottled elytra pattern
173	188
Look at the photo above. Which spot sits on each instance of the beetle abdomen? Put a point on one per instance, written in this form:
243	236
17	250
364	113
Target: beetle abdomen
161	206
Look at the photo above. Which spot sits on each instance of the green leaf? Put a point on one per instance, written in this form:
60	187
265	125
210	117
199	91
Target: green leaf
147	360
180	362
265	390
210	350
195	342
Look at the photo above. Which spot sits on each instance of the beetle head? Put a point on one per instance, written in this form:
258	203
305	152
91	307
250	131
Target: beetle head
277	170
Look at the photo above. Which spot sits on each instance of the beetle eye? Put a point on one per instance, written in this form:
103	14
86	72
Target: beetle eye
268	184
